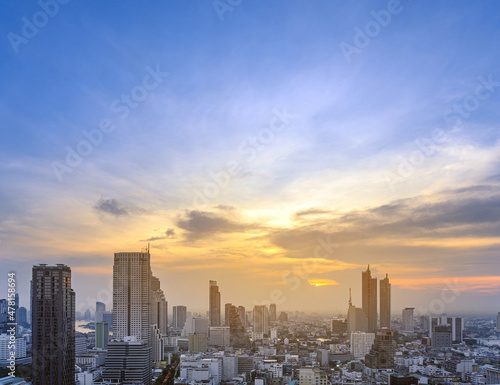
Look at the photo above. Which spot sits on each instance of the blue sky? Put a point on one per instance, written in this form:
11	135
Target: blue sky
342	155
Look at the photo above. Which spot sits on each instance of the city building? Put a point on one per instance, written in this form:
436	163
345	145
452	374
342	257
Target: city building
214	304
197	342
369	299
381	355
313	376
53	325
159	307
338	326
100	308
442	336
357	321
128	362
227	313
272	312
19	344
408	319
219	336
498	322
101	335
179	316
131	296
361	343
385	302
243	316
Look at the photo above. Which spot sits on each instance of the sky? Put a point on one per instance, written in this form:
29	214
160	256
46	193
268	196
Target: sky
275	147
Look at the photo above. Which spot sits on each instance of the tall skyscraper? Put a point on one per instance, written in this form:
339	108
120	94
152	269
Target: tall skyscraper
369	299
180	313
159	307
356	318
261	319
385	302
408	319
101	335
100	308
53	325
214	304
243	316
272	312
227	314
132	296
498	322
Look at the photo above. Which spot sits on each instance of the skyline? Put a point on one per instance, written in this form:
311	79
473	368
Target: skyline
247	145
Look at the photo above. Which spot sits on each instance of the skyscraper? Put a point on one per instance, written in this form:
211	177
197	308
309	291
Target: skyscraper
369	299
227	313
356	318
179	316
159	307
243	316
381	355
385	302
214	304
100	308
408	320
132	296
101	335
272	312
498	322
260	319
53	325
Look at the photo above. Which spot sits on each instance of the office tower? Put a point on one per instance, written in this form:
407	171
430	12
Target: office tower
80	343
408	320
22	315
381	355
229	367
87	316
357	321
441	336
6	348
260	319
214	304
338	326
101	335
159	307
227	314
313	376
157	343
131	296
369	300
245	364
179	316
424	323
243	316
219	336
100	308
361	343
283	317
238	337
272	312
197	342
498	322
53	325
128	362
385	302
457	328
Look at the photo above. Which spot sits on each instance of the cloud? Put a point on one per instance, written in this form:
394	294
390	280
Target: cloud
322	282
199	224
168	234
311	212
112	207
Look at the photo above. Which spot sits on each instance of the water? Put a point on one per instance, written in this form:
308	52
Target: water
79	327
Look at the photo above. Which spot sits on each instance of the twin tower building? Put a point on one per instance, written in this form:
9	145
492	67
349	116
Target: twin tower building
365	319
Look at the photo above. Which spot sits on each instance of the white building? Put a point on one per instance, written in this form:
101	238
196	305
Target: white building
361	344
229	367
313	376
219	336
19	344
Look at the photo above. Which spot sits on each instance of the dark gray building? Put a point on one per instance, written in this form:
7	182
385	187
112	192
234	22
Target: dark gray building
214	304
385	302
369	299
442	336
53	325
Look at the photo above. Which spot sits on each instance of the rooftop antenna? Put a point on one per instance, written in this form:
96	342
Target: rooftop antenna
350	298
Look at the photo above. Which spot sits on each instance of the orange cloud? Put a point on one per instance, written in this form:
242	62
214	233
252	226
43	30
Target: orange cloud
489	284
322	282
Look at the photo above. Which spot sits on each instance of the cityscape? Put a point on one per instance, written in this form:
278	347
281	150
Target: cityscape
139	342
237	192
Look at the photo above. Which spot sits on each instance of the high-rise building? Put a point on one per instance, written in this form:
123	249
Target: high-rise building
100	308
498	322
128	362
22	315
385	302
313	376
260	319
101	335
197	342
243	316
408	319
159	307
369	299
132	296
361	344
53	325
338	326
357	321
220	336
238	337
381	355
283	317
227	314
272	312
441	336
214	304
179	316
